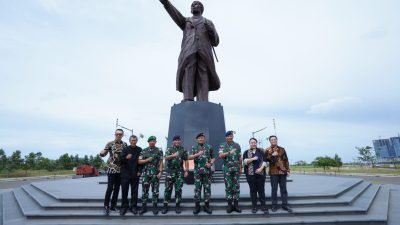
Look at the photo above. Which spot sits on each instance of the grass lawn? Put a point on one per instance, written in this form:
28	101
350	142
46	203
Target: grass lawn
34	173
346	170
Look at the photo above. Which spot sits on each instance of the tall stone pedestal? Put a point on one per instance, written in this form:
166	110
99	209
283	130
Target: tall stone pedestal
190	118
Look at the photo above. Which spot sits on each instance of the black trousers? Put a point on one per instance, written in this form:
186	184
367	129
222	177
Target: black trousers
125	183
114	181
281	180
257	186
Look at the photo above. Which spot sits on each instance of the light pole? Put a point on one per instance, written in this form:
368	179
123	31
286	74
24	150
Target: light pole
120	126
254	132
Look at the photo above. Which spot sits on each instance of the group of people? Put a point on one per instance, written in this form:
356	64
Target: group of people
127	164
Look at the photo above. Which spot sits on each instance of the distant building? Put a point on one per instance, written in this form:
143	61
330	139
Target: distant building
387	148
396	145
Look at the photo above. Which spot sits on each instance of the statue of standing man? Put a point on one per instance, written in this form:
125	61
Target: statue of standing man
196	74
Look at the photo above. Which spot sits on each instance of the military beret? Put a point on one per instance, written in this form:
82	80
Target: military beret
176	137
229	133
200	135
152	138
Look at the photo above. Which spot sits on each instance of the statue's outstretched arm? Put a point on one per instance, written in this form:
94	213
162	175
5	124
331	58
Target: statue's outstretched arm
179	19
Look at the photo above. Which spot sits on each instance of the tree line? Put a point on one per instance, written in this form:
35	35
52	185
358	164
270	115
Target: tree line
36	161
366	156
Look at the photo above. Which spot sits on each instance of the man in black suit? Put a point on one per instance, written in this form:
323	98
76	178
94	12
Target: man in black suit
130	174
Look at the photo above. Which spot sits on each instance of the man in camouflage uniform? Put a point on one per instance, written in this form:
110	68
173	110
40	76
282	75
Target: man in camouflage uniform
230	153
152	160
203	161
278	172
114	150
175	157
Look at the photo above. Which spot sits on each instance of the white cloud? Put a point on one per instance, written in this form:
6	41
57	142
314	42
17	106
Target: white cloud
334	105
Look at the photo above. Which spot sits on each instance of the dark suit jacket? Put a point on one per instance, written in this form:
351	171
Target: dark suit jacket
130	167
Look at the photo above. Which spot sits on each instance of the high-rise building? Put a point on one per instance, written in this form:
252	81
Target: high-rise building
396	145
381	147
387	148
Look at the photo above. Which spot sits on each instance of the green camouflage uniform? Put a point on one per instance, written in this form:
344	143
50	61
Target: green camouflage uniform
174	173
202	174
231	170
150	171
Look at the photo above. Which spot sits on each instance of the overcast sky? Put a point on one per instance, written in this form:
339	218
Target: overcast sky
327	71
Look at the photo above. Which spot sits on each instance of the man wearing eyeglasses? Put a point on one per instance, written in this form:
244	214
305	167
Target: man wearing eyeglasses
114	150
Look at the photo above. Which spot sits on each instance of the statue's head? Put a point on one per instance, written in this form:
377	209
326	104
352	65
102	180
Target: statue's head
197	8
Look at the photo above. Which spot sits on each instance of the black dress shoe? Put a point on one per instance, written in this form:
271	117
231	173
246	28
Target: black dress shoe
144	210
274	208
265	210
123	211
133	210
287	208
254	210
106	211
112	209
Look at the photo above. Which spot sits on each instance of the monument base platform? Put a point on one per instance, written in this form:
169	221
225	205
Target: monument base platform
314	199
190	118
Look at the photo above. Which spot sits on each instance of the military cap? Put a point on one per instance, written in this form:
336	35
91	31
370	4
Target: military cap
229	133
200	135
152	138
176	137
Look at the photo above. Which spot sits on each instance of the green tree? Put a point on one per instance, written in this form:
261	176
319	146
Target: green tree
301	163
3	159
30	161
65	162
47	164
366	155
97	162
86	160
14	161
338	161
324	162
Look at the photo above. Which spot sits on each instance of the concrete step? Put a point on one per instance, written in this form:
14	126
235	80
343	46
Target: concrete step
12	214
334	193
31	208
394	207
354	203
48	202
1	210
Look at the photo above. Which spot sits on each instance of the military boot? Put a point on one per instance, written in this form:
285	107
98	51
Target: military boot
236	207
143	210
207	208
230	208
165	209
178	208
196	208
155	209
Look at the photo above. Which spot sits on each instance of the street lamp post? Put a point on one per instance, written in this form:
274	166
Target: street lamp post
254	132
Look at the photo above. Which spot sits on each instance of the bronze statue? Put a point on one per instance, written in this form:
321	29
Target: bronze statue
196	74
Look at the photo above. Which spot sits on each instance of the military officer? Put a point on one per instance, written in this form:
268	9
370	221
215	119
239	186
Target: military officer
203	161
230	153
152	160
176	157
